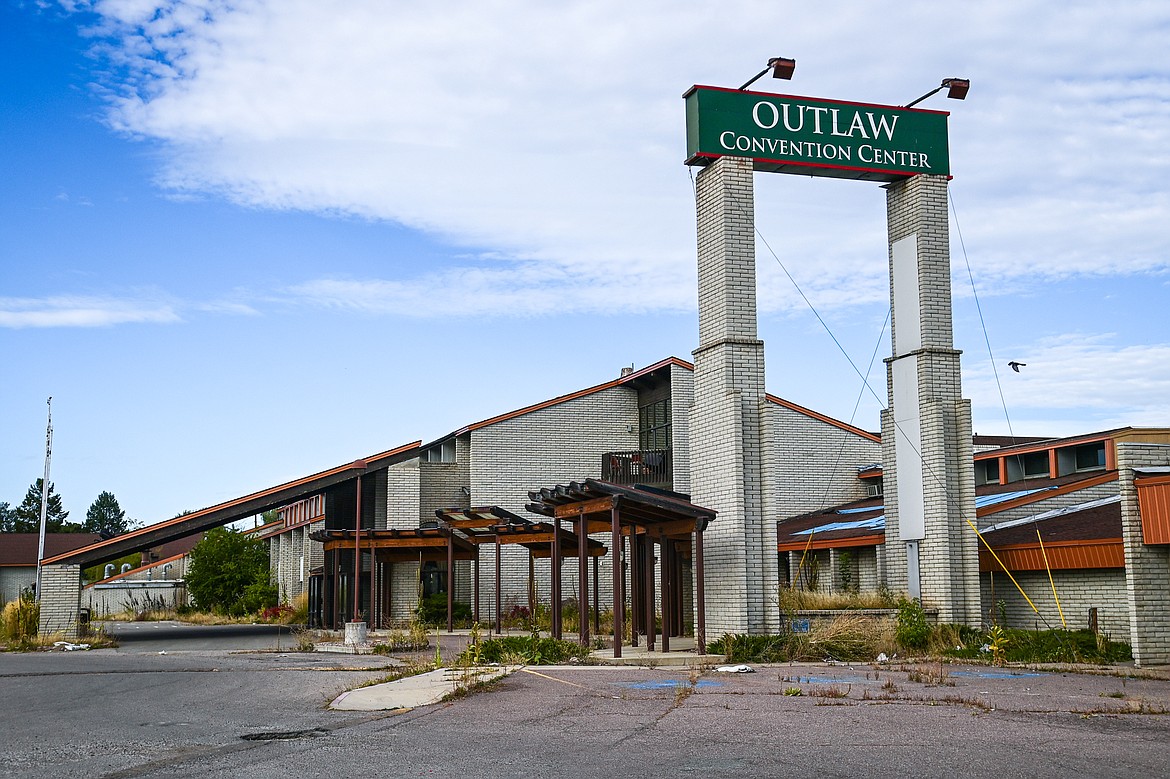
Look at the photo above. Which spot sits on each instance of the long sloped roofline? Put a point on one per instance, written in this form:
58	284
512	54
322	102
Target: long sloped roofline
230	511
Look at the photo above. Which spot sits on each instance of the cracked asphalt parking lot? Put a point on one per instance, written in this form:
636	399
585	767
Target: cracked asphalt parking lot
217	713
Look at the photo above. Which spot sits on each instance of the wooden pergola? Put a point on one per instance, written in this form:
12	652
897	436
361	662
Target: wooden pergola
494	525
423	544
641	517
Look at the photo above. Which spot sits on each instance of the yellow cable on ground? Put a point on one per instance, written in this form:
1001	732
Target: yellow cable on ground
1051	581
1001	565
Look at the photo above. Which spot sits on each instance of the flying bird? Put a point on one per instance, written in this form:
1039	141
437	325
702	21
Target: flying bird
1015	366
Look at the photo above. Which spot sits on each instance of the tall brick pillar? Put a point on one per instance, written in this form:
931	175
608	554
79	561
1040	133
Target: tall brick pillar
60	598
931	551
1147	568
740	559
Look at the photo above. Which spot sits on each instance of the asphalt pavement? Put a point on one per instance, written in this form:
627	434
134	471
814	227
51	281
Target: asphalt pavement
215	713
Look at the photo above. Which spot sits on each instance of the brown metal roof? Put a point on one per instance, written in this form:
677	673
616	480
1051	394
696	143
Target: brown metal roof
20	549
232	510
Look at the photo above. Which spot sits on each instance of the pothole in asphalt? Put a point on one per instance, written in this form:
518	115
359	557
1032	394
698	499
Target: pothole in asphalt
283	735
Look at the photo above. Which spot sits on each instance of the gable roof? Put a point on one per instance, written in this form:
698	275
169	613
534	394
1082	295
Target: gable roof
20	549
633	377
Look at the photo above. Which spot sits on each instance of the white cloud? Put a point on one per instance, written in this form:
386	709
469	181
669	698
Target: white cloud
552	134
81	311
1073	383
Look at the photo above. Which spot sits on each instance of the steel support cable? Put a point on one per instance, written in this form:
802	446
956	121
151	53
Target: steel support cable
898	428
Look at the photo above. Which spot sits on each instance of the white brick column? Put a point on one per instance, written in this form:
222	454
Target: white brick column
725	425
1147	568
60	599
926	432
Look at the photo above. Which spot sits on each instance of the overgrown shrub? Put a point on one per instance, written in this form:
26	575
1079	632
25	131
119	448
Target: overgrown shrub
912	629
229	574
531	650
1046	646
432	610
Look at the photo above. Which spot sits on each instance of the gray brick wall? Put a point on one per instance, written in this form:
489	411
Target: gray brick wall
553	445
1103	589
14	580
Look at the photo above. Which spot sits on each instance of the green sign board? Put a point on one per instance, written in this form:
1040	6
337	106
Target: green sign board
813	137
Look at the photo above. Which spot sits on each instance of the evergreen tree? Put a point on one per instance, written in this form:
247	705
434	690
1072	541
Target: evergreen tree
28	513
7	518
106	518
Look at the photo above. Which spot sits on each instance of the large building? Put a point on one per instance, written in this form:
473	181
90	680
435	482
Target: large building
631	430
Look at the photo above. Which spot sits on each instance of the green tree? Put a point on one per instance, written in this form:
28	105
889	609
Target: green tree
7	518
229	573
106	518
28	513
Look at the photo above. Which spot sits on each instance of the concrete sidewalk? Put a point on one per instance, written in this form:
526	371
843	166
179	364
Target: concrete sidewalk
421	690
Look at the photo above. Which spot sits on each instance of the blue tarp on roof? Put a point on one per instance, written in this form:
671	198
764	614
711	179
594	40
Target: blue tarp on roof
879	522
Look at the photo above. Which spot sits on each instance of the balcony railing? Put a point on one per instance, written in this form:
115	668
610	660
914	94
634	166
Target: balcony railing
639	466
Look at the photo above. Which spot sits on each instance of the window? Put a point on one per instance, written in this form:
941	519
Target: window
654	425
1036	465
1090	457
986	472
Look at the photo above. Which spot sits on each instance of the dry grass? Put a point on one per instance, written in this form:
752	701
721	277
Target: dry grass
792	599
848	637
170	615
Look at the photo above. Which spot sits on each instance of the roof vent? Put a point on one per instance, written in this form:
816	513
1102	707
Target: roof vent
627	370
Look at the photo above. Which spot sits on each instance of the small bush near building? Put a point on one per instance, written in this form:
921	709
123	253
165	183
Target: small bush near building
523	650
1044	646
912	630
432	610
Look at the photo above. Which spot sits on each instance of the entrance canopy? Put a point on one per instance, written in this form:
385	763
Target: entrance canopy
642	517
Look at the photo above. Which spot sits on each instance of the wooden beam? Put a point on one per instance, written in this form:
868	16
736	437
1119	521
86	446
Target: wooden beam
594	506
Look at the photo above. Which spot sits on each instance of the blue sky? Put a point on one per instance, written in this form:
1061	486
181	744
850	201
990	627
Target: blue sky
241	242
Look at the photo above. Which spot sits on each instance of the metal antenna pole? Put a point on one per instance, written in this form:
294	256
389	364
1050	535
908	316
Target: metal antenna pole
45	496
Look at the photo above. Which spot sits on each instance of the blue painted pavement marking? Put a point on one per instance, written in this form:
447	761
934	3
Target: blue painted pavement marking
664	684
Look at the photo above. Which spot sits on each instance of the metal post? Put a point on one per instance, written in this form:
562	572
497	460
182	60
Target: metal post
475	585
596	597
556	579
582	581
615	548
634	556
664	574
45	497
450	581
499	602
648	608
357	554
374	603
